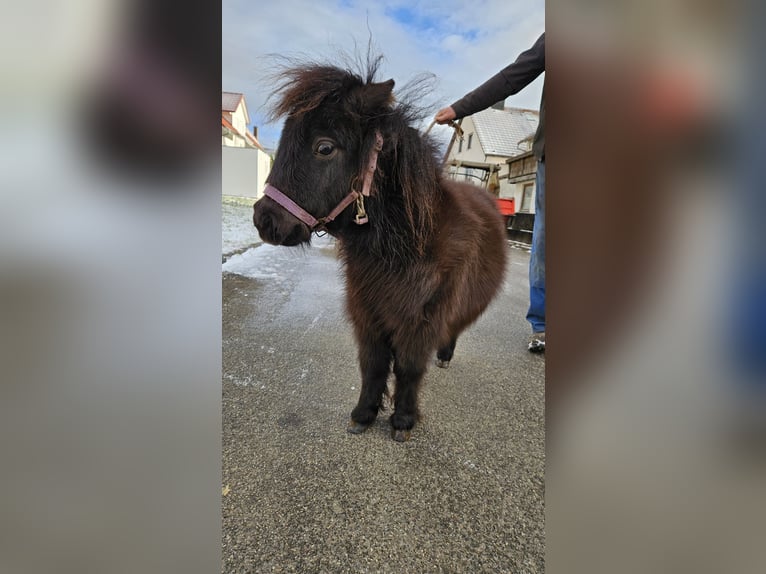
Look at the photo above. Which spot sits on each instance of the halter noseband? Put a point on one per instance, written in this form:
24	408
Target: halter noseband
354	195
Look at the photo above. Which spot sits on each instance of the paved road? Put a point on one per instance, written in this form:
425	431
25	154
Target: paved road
465	494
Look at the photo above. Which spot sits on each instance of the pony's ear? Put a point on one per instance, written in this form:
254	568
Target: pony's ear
373	97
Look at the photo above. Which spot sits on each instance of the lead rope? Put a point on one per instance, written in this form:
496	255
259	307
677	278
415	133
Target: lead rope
454	125
458	131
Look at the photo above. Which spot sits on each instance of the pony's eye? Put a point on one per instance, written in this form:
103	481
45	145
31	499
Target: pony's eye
325	148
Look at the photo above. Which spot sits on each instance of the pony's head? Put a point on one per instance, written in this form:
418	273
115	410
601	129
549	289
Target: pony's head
330	129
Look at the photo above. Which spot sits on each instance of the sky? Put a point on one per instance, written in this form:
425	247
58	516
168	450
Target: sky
461	43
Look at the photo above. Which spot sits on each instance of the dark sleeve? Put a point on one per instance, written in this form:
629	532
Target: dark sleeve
510	80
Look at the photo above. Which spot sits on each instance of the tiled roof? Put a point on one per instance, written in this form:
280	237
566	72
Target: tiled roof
230	101
500	131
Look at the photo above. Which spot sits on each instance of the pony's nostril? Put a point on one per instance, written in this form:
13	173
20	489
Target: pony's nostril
263	224
272	229
266	224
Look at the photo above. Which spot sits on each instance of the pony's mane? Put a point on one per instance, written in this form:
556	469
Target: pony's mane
302	85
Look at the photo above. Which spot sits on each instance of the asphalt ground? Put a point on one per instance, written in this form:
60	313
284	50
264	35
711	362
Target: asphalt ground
300	494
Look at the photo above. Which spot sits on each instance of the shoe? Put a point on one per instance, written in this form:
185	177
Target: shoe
537	343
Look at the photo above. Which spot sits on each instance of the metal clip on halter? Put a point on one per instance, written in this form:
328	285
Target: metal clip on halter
361	214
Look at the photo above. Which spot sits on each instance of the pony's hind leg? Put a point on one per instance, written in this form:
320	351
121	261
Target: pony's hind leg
375	363
445	353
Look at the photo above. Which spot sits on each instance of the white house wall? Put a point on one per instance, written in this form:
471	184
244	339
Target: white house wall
516	190
264	167
473	154
233	141
244	171
239	118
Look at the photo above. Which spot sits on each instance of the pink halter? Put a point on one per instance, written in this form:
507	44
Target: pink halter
354	195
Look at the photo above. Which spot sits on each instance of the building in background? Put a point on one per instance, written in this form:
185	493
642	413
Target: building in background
245	164
496	153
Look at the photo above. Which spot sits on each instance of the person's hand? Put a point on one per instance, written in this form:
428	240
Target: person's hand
445	115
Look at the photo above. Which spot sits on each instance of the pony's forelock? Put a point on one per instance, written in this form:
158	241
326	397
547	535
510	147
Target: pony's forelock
302	84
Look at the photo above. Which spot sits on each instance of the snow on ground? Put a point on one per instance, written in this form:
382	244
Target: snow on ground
237	229
266	261
262	262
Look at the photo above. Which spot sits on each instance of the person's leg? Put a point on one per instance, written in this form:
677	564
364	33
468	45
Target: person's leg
536	313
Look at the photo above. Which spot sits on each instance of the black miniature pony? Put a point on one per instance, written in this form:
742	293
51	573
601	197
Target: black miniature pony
423	255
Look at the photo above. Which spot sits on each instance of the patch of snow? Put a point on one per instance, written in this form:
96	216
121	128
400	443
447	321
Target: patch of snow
323	242
256	263
265	261
237	229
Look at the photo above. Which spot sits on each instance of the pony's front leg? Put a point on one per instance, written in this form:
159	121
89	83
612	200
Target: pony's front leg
409	373
375	364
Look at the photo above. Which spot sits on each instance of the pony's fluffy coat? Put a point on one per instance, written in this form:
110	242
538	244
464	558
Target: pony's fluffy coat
433	254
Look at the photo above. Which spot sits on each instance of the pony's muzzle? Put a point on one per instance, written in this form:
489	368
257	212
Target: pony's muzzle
276	226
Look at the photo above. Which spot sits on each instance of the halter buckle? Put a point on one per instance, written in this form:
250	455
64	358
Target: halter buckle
361	214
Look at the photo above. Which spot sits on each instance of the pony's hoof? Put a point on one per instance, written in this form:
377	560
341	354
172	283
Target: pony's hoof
441	363
400	435
356	428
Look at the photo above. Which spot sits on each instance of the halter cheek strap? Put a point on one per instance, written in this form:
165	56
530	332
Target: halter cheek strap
354	195
372	164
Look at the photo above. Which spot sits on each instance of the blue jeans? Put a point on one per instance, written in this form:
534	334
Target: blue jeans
536	313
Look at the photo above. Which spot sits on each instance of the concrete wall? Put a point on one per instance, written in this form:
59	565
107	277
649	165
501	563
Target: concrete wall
244	171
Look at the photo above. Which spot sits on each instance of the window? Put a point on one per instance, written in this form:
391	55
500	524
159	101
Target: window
460	145
470	137
527	197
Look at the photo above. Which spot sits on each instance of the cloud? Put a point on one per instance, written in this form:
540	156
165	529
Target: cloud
462	43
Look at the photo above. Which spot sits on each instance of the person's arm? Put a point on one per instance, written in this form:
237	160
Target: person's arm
510	80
